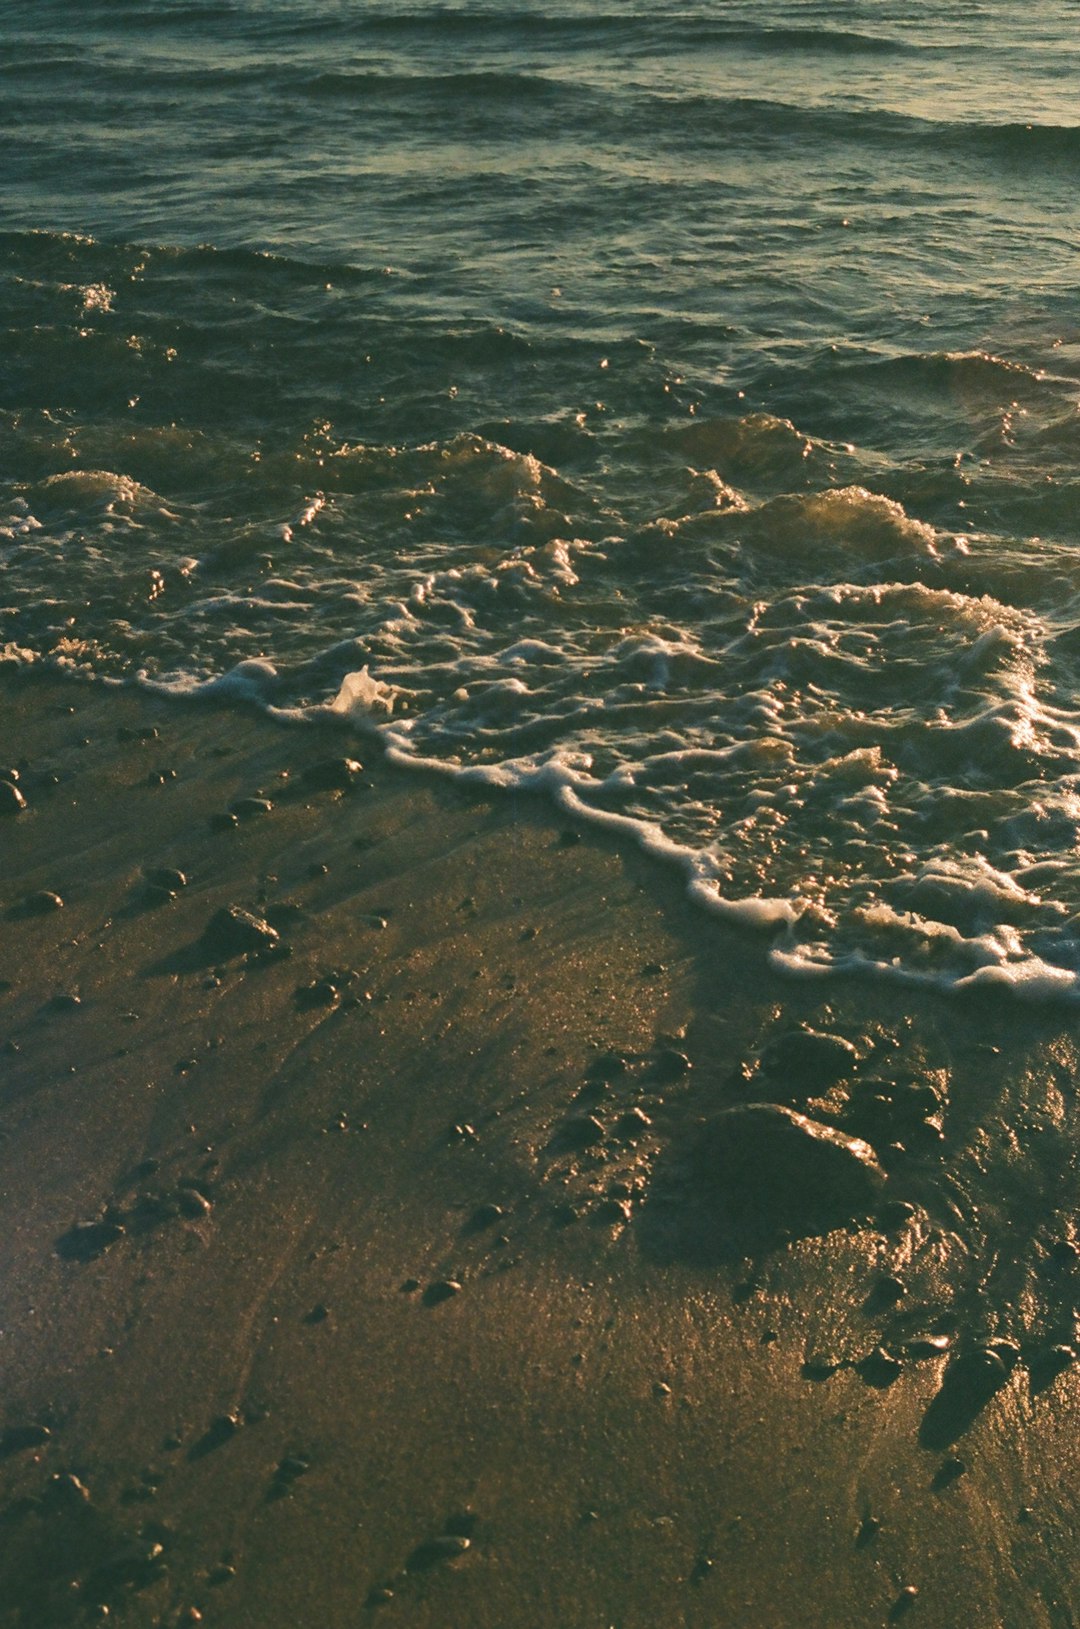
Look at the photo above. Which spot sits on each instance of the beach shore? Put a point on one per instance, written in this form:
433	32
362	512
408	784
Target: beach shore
348	1276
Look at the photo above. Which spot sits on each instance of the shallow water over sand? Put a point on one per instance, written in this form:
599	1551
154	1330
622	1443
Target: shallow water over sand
672	412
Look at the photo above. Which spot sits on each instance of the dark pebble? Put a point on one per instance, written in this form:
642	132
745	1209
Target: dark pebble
319	993
948	1472
869	1528
331	774
608	1066
814	1060
18	1438
443	1289
880	1368
193	1204
903	1603
975	1375
888	1291
233	931
291	1468
895	1214
767	1158
634	1123
583	1131
64	1002
379	1595
1063	1254
319	1313
12	801
64	1492
88	1240
436	1551
652	970
250	808
223	821
1048	1364
612	1210
486	1216
163	876
928	1346
222	1430
42	903
670	1065
409	1286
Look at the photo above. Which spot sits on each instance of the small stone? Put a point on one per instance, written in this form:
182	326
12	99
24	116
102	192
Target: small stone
64	1002
765	1157
948	1472
869	1528
319	1313
608	1066
223	820
813	1059
435	1552
895	1214
879	1368
928	1346
670	1065
379	1595
581	1132
18	1438
631	1125
652	970
485	1216
610	1209
42	903
973	1377
64	1492
88	1240
222	1429
443	1289
1047	1365
888	1291
163	876
331	774
291	1468
12	801
234	931
903	1602
193	1204
319	993
661	1389
250	808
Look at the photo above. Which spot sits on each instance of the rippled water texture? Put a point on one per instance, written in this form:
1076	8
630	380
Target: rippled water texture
664	407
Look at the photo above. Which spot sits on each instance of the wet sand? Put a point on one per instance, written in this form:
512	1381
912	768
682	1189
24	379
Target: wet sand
320	1262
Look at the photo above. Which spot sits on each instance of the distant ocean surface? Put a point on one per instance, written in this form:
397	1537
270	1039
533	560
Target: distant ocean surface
669	407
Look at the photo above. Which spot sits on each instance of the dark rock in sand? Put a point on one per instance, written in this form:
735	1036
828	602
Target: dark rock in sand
42	903
250	808
11	799
581	1132
291	1469
64	1492
764	1159
437	1551
233	931
1048	1364
193	1204
969	1383
886	1292
18	1438
217	1434
485	1216
319	993
331	774
928	1346
880	1368
812	1059
631	1125
903	1603
88	1240
670	1065
223	821
608	1066
164	876
443	1289
948	1472
895	1214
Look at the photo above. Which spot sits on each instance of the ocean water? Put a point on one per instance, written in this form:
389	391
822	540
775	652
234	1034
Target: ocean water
672	408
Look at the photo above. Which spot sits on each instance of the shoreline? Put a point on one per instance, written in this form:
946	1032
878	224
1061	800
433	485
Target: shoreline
268	1426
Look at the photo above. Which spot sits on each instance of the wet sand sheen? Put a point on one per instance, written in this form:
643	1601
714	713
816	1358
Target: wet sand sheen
320	1265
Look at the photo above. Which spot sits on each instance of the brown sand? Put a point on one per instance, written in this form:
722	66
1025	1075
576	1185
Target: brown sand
619	1424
